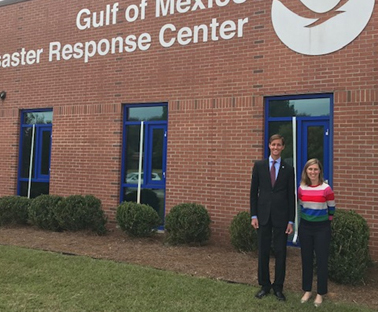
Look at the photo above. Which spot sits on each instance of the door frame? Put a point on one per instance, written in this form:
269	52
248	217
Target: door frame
302	130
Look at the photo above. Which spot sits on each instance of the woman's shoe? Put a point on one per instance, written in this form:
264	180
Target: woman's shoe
318	301
306	297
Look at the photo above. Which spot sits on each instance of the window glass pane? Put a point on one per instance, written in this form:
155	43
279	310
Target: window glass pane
45	153
315	135
151	197
37	188
300	107
26	149
147	113
38	118
285	129
157	155
132	158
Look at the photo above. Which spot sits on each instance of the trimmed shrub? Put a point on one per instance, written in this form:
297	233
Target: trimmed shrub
96	218
14	210
147	197
243	235
187	223
41	212
77	212
349	251
137	220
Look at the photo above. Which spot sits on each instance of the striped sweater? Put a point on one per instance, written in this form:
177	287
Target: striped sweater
317	202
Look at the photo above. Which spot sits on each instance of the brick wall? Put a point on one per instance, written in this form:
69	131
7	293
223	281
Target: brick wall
9	125
215	91
355	150
210	156
86	153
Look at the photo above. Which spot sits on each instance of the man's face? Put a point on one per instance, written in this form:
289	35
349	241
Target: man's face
276	147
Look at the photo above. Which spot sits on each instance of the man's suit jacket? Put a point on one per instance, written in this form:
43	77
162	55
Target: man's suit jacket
277	202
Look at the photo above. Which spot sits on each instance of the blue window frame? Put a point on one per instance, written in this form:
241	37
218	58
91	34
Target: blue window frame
153	151
34	153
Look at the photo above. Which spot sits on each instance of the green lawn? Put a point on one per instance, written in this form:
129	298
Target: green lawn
33	280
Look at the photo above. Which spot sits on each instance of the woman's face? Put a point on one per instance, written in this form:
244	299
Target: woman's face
313	174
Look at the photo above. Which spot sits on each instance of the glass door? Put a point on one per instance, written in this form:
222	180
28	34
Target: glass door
314	143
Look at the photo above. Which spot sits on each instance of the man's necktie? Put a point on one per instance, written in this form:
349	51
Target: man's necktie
273	173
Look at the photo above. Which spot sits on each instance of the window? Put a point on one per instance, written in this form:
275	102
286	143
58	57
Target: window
312	127
35	152
149	151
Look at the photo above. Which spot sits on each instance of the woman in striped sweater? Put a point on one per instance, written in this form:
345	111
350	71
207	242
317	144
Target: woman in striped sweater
317	203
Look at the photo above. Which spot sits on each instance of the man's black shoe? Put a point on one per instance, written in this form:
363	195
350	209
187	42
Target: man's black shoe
280	296
262	293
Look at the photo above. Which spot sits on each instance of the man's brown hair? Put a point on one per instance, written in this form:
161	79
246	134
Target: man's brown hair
277	137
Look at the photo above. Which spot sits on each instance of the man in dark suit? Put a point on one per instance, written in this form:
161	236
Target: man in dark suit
272	211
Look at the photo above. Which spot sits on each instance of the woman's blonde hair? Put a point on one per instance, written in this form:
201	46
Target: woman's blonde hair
305	180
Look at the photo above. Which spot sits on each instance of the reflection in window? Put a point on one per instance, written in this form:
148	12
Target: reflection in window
132	161
38	188
300	107
148	113
38	118
315	135
157	154
45	152
26	150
